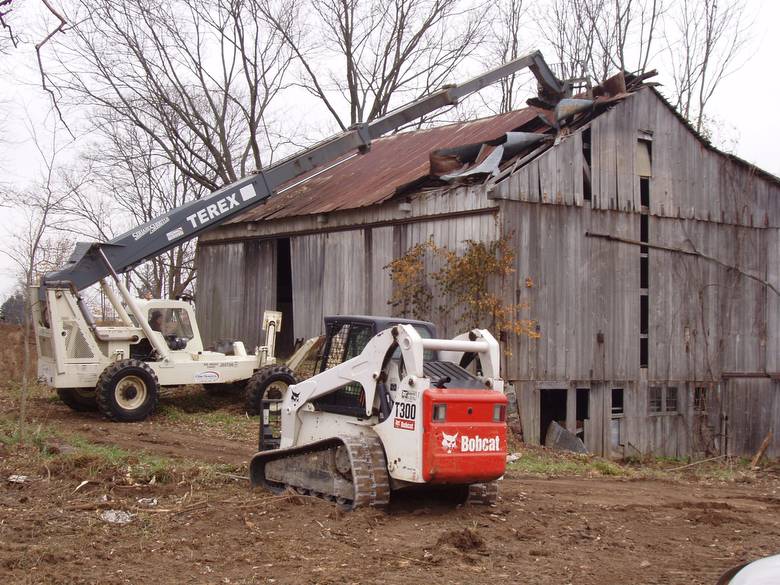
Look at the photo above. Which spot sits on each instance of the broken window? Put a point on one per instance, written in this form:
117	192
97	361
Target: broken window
671	399
617	402
700	399
586	167
655	399
644	192
644	158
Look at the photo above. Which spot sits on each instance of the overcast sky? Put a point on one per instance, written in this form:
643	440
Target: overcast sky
742	108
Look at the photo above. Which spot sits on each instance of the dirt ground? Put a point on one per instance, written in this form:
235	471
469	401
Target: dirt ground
564	530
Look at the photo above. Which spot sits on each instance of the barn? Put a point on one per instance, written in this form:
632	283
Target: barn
649	260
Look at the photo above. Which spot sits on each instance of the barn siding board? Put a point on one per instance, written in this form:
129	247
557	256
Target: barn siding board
773	302
751	406
307	257
260	273
380	289
237	283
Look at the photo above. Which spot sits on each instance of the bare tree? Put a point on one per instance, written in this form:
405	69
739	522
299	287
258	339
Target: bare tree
507	45
127	182
8	38
596	38
363	54
36	248
196	76
709	37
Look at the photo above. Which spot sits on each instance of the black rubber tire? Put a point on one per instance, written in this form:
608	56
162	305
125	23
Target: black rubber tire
115	374
261	380
79	399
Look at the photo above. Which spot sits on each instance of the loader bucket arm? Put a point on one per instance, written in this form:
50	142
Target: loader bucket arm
87	265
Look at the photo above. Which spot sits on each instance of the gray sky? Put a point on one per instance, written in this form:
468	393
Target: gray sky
741	107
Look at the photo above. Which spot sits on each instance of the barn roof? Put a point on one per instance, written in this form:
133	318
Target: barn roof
393	163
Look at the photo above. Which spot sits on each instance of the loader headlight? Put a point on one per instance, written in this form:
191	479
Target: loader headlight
439	412
499	413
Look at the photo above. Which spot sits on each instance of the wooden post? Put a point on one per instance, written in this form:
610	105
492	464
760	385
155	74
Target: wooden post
761	450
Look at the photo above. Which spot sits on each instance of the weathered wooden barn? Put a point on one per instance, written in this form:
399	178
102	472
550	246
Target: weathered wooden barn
655	262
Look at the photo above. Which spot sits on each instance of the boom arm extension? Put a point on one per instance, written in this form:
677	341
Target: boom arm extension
86	266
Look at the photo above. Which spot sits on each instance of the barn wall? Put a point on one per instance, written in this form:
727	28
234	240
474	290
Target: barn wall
709	312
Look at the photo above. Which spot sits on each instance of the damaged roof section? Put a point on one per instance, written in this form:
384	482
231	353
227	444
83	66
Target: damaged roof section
436	157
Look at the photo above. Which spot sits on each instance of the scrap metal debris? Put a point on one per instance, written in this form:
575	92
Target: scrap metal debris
116	517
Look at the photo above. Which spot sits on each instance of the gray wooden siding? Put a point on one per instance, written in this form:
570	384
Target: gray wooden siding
753	409
553	177
236	283
582	287
706	318
689	180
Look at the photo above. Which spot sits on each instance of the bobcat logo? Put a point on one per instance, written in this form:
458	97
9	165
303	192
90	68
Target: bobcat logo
295	396
449	442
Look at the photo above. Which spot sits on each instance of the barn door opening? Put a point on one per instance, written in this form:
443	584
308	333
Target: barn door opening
284	298
552	407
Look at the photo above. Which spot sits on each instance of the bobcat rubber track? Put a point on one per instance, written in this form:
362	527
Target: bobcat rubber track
485	494
313	469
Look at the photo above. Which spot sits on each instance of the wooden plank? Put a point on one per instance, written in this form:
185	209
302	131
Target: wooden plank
307	260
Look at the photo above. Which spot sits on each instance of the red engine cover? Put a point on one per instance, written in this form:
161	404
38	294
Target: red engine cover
469	446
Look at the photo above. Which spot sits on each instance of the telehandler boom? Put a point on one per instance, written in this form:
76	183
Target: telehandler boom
120	369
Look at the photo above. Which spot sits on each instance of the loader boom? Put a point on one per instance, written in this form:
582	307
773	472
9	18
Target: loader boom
87	265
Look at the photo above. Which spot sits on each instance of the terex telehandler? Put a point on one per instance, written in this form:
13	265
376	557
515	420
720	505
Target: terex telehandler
401	410
120	369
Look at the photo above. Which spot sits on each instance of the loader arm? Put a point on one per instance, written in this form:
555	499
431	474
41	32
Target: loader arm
87	265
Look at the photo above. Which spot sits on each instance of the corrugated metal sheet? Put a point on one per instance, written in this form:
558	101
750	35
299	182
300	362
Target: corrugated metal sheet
374	177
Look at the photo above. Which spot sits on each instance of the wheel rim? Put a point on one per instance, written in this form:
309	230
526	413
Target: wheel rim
276	390
130	392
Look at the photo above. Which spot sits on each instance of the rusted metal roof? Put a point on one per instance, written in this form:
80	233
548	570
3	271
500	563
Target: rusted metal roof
392	163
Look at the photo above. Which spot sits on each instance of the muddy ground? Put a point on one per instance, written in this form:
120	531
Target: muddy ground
577	530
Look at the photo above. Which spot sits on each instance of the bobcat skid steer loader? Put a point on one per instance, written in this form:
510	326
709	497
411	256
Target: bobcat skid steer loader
402	412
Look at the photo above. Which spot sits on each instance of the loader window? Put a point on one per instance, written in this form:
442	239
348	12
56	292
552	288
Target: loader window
347	342
171	322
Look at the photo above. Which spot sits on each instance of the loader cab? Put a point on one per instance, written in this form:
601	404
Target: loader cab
345	337
174	320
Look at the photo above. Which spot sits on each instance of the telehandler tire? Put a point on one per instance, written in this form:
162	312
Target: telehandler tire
127	391
267	377
79	399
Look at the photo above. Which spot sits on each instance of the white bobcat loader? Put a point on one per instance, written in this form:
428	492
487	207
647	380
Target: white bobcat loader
120	369
401	411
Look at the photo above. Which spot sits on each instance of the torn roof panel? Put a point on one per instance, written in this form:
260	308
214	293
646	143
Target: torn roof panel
392	163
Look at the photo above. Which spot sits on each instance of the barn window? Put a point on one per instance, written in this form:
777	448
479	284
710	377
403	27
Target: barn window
655	399
644	158
617	402
644	232
671	399
700	399
586	168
